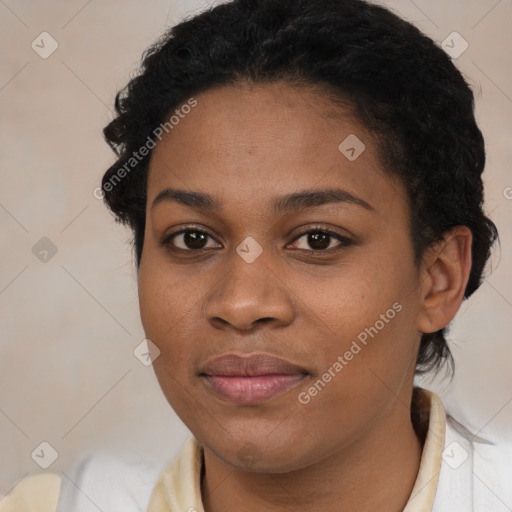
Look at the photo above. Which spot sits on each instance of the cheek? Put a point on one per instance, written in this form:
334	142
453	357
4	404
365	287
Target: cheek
163	312
171	304
153	302
366	313
352	296
163	305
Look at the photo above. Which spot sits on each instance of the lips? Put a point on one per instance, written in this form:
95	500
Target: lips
250	366
250	379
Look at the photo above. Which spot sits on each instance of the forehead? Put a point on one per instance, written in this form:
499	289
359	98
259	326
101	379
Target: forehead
261	140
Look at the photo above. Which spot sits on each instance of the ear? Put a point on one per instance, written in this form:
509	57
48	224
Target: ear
445	273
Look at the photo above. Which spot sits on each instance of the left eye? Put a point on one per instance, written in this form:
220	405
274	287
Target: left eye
320	240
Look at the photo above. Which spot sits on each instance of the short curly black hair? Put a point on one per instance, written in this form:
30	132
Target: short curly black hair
402	87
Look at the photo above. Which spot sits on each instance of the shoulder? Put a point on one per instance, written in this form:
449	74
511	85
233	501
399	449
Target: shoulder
104	480
475	471
109	481
37	493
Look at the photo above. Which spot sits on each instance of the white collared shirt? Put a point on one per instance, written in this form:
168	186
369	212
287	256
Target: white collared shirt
458	472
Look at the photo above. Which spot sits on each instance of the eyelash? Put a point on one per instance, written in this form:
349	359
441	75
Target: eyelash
344	241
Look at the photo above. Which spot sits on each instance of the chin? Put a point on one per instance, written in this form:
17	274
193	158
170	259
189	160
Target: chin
258	455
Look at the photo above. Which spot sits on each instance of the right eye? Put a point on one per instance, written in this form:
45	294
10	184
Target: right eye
186	240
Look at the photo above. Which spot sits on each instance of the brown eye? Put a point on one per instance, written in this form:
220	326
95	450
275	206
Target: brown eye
187	240
320	240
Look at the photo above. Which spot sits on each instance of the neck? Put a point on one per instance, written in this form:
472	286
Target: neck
380	468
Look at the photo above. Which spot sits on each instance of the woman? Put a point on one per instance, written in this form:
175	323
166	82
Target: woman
303	180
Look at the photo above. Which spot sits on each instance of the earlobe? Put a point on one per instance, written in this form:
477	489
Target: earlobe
446	268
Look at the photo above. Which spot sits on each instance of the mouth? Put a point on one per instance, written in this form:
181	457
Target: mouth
245	380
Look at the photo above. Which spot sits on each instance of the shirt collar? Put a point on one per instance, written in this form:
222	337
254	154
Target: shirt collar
433	417
179	487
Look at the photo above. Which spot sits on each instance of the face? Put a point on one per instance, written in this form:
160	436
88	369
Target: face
325	282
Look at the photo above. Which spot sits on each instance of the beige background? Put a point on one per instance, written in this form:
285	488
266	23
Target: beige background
69	326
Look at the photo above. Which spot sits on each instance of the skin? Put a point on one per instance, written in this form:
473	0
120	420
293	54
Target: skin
247	145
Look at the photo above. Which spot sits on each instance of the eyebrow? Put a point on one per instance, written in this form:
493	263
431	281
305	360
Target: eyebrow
279	205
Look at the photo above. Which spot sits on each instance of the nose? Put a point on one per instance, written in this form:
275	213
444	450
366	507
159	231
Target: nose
249	294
